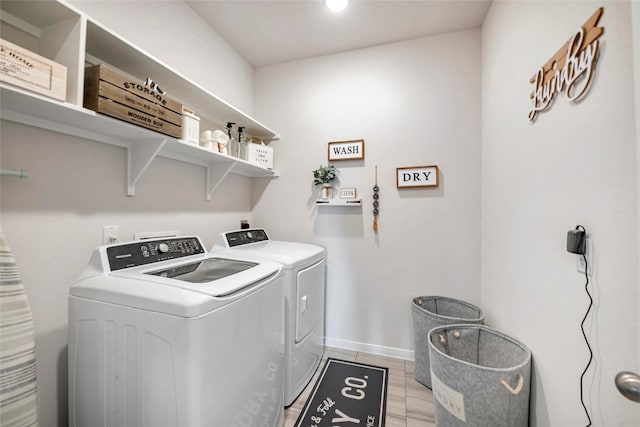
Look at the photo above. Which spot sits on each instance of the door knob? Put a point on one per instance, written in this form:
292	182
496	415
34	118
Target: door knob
628	384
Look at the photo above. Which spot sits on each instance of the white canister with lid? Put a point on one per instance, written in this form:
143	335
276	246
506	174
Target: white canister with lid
190	126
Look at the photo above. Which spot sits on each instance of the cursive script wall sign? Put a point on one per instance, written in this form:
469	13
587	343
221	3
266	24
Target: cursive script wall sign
570	70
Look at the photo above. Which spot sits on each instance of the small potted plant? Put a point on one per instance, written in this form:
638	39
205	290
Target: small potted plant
323	176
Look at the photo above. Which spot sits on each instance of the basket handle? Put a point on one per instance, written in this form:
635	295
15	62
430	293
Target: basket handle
518	388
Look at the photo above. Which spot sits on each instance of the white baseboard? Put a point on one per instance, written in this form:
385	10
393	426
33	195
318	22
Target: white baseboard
379	350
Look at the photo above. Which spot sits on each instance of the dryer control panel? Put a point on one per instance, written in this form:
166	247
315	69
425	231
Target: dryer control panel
244	237
144	252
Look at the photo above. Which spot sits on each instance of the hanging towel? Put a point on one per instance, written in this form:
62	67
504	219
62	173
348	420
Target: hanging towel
18	406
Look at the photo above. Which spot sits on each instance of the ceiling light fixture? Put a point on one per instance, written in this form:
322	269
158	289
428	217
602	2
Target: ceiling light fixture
336	5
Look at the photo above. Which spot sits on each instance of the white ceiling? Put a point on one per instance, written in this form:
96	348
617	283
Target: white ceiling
272	31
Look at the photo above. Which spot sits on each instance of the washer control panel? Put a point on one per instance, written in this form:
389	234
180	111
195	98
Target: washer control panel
244	237
149	251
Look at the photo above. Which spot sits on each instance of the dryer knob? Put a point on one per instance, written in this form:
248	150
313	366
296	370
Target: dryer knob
163	248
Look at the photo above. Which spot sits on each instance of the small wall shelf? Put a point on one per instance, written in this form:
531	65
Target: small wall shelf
340	202
63	34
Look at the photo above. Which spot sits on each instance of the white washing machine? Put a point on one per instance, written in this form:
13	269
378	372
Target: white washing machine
163	333
304	268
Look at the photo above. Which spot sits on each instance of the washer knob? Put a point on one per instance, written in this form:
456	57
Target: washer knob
249	234
163	248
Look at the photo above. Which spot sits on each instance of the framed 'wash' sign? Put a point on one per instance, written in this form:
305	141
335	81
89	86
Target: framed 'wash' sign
417	176
346	150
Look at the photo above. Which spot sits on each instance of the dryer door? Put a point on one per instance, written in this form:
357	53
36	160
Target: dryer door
310	299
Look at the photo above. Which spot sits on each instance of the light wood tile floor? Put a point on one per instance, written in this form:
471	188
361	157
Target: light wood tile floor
409	403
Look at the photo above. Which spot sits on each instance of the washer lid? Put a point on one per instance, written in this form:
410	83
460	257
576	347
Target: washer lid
205	271
141	288
173	276
214	276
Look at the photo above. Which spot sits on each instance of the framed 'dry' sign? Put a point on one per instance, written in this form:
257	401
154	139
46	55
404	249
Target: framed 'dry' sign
346	150
417	176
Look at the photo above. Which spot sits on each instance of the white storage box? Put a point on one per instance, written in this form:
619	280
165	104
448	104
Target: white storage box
190	126
260	154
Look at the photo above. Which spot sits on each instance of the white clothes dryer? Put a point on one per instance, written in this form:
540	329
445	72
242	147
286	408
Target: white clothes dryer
162	333
304	267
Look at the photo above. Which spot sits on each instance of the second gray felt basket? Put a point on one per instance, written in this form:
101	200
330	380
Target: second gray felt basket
481	377
433	311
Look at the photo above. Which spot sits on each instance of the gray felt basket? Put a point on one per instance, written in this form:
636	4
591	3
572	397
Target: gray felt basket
430	312
480	377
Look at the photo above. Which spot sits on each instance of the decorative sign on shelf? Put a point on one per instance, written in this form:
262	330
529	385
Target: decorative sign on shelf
570	70
417	176
348	193
346	150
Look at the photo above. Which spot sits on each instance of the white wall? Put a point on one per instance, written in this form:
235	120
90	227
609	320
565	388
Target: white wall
173	33
414	103
635	18
54	219
575	165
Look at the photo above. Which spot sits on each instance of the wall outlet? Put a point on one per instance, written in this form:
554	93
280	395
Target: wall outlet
110	234
588	253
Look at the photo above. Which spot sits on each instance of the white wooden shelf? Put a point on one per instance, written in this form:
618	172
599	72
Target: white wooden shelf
57	31
143	145
340	202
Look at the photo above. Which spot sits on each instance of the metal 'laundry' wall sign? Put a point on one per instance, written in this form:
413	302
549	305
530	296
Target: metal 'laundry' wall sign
570	70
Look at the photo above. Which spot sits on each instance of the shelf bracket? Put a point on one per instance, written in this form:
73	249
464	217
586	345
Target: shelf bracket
140	153
216	172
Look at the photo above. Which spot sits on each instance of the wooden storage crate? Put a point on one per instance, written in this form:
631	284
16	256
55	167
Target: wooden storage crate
23	68
106	91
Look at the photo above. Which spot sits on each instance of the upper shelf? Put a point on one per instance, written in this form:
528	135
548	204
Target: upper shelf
61	33
52	26
117	52
35	17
